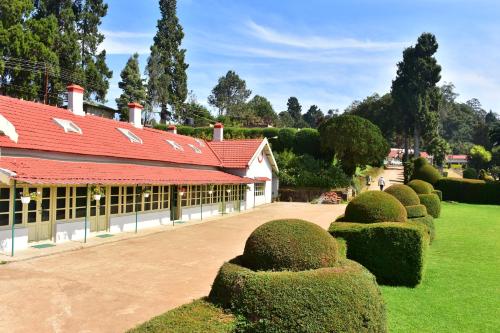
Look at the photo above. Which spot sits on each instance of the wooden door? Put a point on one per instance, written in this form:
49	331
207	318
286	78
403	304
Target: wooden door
97	215
38	217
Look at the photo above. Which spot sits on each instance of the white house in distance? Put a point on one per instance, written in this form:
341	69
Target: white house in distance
66	175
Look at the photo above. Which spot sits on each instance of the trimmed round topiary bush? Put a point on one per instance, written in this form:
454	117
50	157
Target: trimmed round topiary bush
416	210
293	245
405	194
375	206
432	203
427	173
420	162
344	298
420	186
470	173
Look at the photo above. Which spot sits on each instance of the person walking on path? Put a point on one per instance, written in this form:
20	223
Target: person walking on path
381	183
368	180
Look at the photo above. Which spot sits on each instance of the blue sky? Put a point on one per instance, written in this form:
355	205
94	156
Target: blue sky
327	53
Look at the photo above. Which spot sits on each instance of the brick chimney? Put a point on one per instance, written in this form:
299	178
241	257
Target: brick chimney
75	99
218	132
172	129
135	114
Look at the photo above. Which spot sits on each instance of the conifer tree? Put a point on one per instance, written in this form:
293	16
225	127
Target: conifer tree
132	86
169	63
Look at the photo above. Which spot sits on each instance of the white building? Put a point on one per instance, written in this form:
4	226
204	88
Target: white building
67	175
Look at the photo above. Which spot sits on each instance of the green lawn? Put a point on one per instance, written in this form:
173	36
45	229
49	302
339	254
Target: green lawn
460	291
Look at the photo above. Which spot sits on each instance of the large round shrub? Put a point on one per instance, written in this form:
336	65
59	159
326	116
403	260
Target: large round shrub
420	186
375	206
344	298
470	173
432	203
293	245
439	194
427	173
405	194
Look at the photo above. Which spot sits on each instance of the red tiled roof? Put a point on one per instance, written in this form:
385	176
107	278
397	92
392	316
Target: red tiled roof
456	157
235	153
262	179
41	171
38	131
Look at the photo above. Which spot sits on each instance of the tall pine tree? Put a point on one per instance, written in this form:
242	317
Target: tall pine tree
415	93
132	86
168	62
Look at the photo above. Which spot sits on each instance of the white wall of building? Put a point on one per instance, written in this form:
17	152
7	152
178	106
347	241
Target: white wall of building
124	223
71	231
20	239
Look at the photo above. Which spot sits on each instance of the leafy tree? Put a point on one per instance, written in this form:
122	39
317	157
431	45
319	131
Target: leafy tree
314	116
132	86
229	92
168	62
263	110
380	111
494	134
414	90
285	119
439	148
478	157
200	115
88	15
355	141
25	40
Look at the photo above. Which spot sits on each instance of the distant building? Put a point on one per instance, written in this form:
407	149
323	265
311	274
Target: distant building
456	159
99	110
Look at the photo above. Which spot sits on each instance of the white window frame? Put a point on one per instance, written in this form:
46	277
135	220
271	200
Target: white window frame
68	126
129	135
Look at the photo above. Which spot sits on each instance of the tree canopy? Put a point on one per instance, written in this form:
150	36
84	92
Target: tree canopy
355	141
229	92
132	86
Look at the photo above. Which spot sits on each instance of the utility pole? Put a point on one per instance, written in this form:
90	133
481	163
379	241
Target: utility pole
46	94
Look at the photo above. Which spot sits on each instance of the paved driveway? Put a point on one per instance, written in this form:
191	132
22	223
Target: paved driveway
114	286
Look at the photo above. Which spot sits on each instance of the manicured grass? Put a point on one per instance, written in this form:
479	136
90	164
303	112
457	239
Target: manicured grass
460	291
198	316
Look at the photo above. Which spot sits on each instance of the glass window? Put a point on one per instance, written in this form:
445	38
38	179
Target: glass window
4	206
260	189
61	203
166	197
115	200
80	202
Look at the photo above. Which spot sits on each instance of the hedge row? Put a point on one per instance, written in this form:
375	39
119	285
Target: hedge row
427	222
470	190
305	140
344	298
416	211
394	252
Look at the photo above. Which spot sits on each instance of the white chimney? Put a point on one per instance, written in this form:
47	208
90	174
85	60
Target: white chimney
135	114
75	99
172	129
218	132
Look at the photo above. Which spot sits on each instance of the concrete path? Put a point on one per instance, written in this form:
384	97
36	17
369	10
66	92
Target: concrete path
392	175
115	286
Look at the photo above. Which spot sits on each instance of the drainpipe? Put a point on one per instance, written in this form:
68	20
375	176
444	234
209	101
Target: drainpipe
223	198
13	218
136	217
201	202
253	195
86	215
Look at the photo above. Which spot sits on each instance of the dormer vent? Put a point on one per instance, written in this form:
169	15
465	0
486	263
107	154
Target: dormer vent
129	135
200	142
175	145
8	129
195	149
68	126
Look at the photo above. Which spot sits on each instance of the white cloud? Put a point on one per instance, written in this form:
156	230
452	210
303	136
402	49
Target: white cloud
126	42
317	42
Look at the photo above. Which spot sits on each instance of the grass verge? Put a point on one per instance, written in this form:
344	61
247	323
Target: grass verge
460	290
